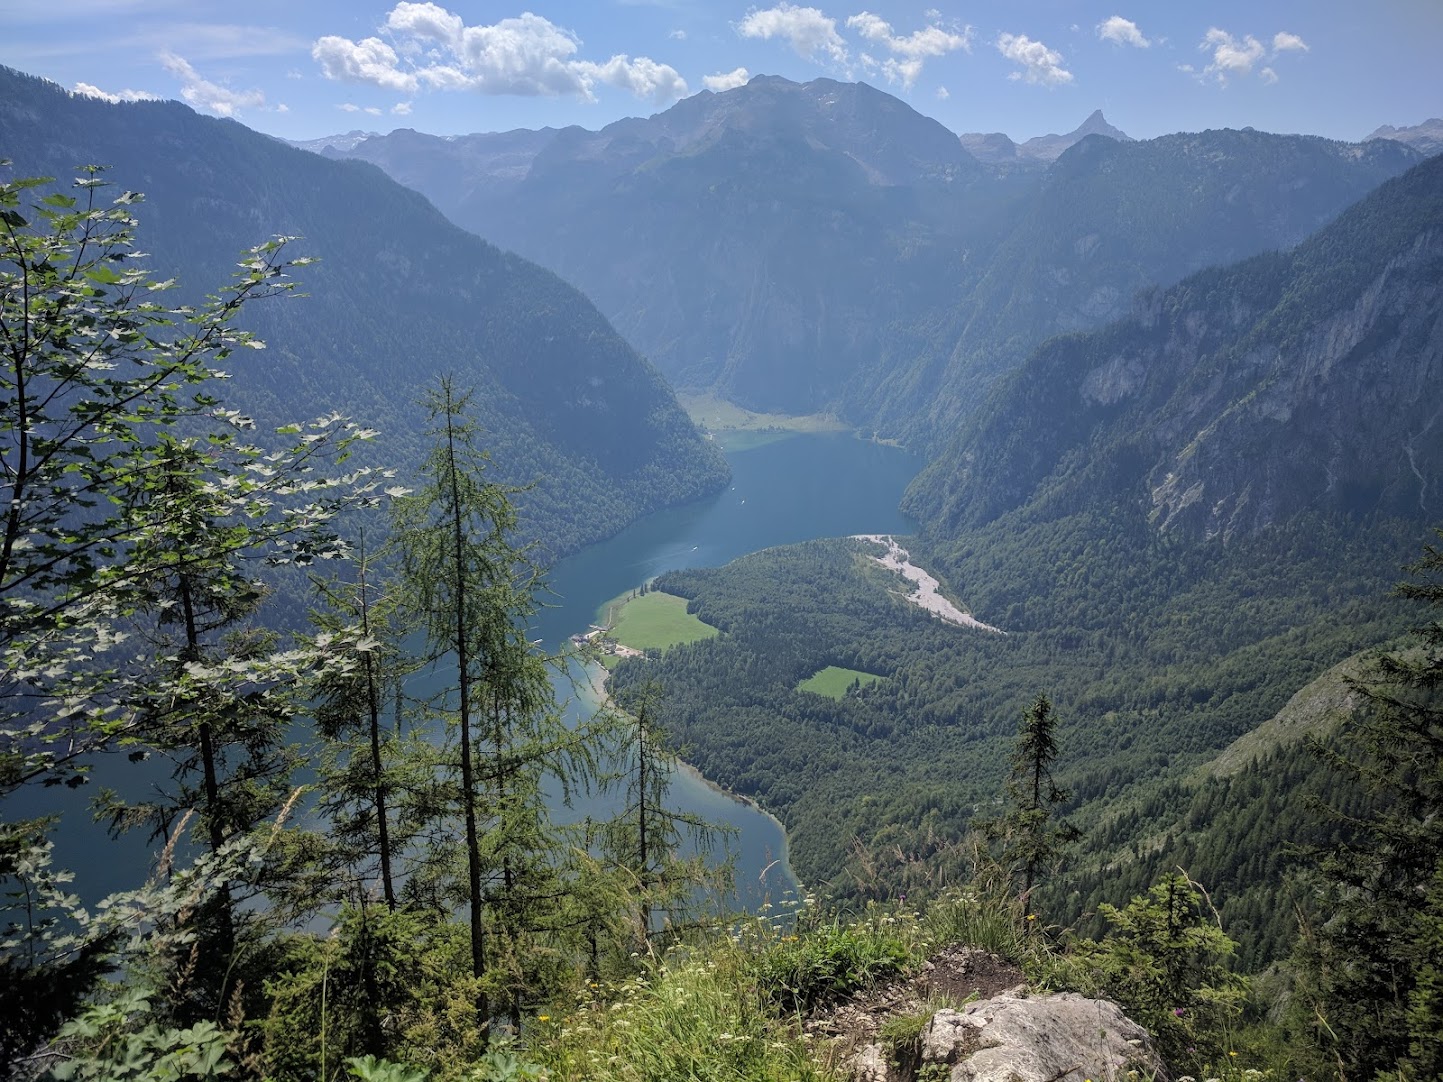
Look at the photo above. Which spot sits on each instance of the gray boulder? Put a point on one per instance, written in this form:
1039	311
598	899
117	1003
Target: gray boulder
1014	1038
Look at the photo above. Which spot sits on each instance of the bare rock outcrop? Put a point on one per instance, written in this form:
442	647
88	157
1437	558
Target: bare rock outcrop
1015	1038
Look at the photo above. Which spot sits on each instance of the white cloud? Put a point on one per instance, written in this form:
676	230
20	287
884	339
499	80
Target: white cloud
644	77
911	51
943	93
401	108
283	108
370	60
807	29
1122	31
1040	64
87	90
1231	56
726	80
527	56
677	35
204	94
1236	57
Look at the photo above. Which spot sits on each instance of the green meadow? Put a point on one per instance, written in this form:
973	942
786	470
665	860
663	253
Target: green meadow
654	621
833	681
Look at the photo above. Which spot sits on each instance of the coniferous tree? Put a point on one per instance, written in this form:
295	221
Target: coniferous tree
1030	838
1370	963
472	592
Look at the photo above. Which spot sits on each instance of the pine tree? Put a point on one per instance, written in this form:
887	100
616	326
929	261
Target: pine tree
1029	838
1370	967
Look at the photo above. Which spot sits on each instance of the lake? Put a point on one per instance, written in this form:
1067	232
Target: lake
789	490
782	492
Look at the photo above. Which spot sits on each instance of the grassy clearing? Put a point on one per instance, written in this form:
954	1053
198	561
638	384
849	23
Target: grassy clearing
655	620
727	420
729	1008
833	681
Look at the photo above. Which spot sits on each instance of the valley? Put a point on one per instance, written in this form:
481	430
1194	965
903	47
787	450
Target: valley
559	551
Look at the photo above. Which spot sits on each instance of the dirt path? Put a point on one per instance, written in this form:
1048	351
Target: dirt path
927	594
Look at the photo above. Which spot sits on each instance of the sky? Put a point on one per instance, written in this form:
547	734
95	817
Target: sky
301	69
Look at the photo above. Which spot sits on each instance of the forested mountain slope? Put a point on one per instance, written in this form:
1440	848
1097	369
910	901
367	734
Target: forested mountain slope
821	246
1179	521
1307	381
400	295
1112	218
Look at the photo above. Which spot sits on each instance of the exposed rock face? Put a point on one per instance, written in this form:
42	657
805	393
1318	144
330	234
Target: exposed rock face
1012	1038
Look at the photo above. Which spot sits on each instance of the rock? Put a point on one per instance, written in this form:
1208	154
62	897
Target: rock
1016	1038
1039	1039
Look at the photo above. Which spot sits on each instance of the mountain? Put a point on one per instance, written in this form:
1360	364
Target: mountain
338	143
1426	138
756	242
1109	219
823	247
997	149
400	296
1298	382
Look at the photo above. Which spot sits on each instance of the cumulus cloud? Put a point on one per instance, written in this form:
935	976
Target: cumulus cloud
1122	31
370	60
1234	57
1039	64
943	93
88	90
401	108
204	94
910	51
526	56
811	34
677	35
726	80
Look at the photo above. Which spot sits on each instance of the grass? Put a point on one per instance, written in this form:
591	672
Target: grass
730	1007
738	428
833	681
656	620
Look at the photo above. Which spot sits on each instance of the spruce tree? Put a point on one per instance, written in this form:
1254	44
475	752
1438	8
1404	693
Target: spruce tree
1029	837
1370	966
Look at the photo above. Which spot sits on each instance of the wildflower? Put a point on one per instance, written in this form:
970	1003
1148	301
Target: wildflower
1232	1053
1179	1011
1033	916
543	1018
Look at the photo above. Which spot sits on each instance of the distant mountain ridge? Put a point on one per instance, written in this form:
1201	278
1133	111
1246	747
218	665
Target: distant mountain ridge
1426	138
998	149
400	295
810	247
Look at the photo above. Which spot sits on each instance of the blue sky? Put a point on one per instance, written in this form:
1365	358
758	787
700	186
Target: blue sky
303	68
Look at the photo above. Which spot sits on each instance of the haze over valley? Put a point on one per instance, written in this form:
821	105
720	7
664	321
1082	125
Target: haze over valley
446	573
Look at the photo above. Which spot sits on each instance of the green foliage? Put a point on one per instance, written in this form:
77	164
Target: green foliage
828	963
107	1046
371	1069
400	296
1165	959
1030	842
1369	958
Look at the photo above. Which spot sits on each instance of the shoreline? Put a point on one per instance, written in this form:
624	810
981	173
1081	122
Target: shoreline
596	675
